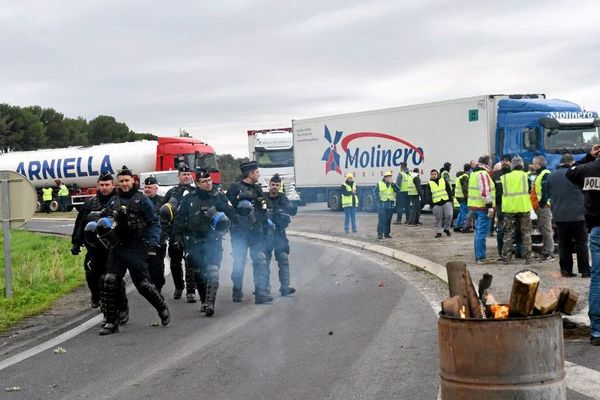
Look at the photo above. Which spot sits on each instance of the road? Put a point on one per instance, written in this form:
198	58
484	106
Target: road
349	332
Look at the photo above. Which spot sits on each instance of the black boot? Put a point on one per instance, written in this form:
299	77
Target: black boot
165	316
124	316
209	310
237	295
190	297
108	329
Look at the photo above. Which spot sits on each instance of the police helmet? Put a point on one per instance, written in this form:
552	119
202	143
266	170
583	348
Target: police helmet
89	234
245	211
218	219
105	230
167	210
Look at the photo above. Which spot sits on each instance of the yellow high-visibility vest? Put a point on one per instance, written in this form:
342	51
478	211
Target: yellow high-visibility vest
47	194
386	193
412	189
438	191
475	200
458	192
347	198
515	192
63	191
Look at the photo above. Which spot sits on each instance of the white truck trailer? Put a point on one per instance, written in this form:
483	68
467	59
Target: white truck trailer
369	143
272	149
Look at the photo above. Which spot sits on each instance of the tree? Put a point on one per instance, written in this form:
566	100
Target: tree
229	167
106	129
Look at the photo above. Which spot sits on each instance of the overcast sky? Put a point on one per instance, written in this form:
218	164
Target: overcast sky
218	68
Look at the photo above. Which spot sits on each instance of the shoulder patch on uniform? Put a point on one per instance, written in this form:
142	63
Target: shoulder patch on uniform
591	183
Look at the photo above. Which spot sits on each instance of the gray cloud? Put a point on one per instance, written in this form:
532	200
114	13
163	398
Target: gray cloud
220	68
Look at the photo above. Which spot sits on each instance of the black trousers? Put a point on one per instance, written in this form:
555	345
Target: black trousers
384	220
573	237
94	265
177	271
156	267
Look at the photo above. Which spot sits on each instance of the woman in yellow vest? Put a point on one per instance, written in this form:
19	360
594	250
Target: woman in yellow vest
349	202
516	208
441	203
385	192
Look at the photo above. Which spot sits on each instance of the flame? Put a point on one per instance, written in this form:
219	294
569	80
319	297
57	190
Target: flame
500	312
463	312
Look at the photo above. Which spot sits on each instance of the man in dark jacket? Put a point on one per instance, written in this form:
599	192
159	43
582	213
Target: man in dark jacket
461	194
568	212
415	197
587	176
156	258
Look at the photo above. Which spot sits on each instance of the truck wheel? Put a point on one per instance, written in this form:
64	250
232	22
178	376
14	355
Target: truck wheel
38	207
335	200
368	201
54	206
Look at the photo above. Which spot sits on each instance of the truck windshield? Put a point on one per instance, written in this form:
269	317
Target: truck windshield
274	158
570	139
208	161
168	179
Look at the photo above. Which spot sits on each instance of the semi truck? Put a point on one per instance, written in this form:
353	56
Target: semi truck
272	149
78	167
426	136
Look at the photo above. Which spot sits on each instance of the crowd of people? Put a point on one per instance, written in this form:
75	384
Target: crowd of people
124	229
501	200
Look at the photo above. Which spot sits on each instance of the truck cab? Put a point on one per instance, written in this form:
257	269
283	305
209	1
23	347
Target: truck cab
551	128
272	149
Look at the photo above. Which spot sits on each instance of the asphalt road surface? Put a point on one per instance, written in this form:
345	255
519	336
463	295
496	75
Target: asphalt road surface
354	330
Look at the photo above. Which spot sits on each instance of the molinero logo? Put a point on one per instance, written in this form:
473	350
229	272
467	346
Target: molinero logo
375	156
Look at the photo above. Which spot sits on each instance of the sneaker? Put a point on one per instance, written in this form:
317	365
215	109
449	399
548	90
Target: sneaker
203	307
354	230
584	275
457	230
398	222
95	303
388	236
177	294
109	328
237	295
447	232
209	310
484	261
567	274
165	316
124	316
286	291
547	257
438	235
506	260
190	297
345	230
467	230
379	236
595	340
262	299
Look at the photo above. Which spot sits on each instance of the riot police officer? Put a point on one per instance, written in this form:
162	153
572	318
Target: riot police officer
279	210
201	221
131	230
247	232
174	195
156	258
95	258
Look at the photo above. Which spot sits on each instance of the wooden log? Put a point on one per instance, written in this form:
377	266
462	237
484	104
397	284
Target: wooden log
484	284
524	289
460	284
569	302
562	299
545	303
452	306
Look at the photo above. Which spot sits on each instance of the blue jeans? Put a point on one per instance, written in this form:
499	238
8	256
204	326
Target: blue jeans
461	219
594	299
349	217
482	229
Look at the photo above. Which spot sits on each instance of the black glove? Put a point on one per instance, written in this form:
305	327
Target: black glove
76	249
247	195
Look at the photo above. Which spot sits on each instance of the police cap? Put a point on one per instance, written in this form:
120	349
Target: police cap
124	171
276	178
184	168
105	176
248	166
150	181
202	173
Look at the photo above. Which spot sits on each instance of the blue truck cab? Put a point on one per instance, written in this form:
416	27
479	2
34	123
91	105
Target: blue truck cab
530	127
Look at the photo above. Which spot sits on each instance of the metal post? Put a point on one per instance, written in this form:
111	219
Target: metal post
6	221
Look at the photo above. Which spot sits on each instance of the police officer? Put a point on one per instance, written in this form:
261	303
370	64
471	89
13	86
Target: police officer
586	175
247	233
156	258
279	210
176	255
95	259
131	230
201	221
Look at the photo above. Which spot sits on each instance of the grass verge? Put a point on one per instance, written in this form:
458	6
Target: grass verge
43	270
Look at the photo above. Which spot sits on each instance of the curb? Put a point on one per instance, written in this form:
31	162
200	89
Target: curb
433	268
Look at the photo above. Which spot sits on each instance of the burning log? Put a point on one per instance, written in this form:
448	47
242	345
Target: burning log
498	311
567	301
484	284
524	289
452	306
545	303
460	284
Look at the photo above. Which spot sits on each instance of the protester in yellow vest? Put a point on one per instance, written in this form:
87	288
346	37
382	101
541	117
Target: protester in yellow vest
441	203
481	201
415	194
349	202
543	211
47	198
402	204
461	194
63	195
516	208
385	192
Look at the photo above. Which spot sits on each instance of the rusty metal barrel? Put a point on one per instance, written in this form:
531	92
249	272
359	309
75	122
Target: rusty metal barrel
516	358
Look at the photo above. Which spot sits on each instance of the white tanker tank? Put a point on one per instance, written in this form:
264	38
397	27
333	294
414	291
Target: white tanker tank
80	165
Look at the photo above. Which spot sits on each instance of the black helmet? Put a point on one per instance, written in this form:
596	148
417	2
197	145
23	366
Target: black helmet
245	211
89	234
105	230
167	210
218	219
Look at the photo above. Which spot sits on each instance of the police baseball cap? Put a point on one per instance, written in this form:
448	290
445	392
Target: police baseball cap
150	181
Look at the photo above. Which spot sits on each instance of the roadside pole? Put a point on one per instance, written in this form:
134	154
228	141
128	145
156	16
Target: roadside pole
6	222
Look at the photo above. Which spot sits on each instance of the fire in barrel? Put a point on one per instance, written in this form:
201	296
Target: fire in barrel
500	351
